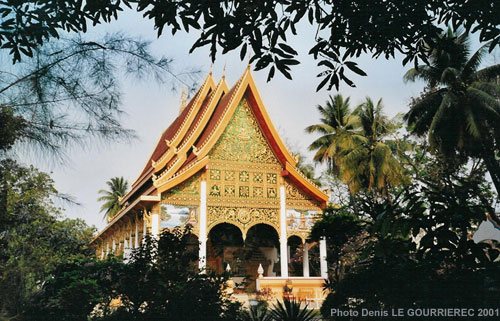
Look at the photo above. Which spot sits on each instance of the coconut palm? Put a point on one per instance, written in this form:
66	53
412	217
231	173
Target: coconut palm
307	169
460	112
118	187
370	164
337	129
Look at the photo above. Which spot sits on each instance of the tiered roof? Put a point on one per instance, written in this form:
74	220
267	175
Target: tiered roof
184	146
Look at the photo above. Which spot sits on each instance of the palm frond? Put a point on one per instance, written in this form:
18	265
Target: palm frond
422	72
422	112
490	74
472	126
474	61
118	187
490	88
290	310
441	112
484	101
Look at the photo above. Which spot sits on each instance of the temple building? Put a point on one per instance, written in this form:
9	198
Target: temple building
222	168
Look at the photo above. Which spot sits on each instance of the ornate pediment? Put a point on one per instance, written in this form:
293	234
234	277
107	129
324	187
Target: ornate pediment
242	139
243	170
298	199
186	193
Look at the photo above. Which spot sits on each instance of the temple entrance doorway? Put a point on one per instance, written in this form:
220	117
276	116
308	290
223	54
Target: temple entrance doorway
295	256
226	247
262	243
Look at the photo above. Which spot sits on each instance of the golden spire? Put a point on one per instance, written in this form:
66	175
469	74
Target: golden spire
211	68
248	60
224	71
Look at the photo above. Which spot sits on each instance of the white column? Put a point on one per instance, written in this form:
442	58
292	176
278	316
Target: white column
202	255
283	236
155	225
305	260
102	253
322	258
125	251
145	226
136	245
113	248
107	249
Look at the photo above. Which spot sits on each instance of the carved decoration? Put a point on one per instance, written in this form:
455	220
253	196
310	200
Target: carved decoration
186	193
243	185
297	199
242	217
242	140
302	234
215	174
229	176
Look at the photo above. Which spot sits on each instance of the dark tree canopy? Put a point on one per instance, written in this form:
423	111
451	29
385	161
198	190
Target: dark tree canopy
28	24
345	28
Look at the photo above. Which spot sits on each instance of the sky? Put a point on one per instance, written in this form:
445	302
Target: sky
151	107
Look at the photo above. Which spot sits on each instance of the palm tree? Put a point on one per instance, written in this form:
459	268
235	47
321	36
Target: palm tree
307	169
460	112
371	164
356	147
118	187
337	129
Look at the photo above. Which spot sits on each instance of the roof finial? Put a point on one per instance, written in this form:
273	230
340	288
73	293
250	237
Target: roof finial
211	68
224	70
248	65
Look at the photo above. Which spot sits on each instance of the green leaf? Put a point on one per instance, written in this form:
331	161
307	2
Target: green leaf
353	67
323	82
243	51
287	48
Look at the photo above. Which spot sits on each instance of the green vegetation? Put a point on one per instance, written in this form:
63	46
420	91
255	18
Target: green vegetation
118	187
412	247
34	237
290	310
460	110
47	108
410	199
338	130
286	310
344	29
154	285
370	164
416	251
357	145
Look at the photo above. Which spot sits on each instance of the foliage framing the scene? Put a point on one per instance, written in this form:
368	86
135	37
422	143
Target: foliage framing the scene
460	111
344	29
70	91
34	237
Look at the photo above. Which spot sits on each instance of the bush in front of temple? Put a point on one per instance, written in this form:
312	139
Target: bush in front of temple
159	282
162	283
